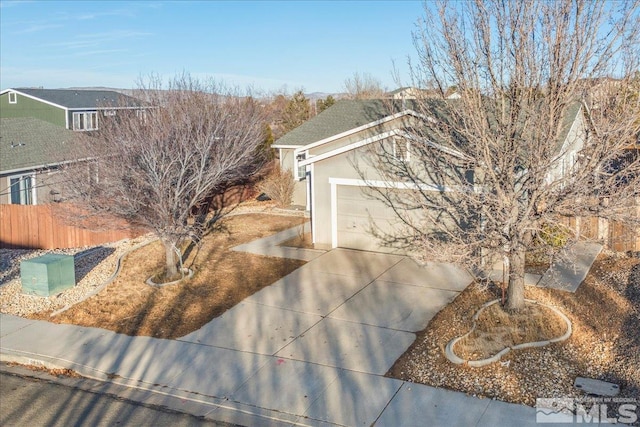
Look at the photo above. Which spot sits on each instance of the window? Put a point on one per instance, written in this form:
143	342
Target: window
85	121
141	115
109	113
401	149
13	98
301	171
22	190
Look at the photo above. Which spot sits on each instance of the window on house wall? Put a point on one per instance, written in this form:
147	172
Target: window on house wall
401	149
13	98
85	121
301	171
22	190
141	115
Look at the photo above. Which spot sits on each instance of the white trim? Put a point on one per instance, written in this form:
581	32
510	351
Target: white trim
389	184
284	147
89	108
349	147
370	140
308	179
335	182
20	177
15	97
311	205
94	121
366	126
36	98
334	213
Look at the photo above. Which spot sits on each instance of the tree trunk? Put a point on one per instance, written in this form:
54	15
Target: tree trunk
515	290
171	259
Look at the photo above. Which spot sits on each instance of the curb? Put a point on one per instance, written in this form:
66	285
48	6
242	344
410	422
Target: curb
453	358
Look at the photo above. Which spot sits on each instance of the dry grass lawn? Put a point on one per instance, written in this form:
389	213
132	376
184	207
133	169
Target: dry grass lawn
496	329
222	278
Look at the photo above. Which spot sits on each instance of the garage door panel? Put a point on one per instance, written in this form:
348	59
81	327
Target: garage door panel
358	215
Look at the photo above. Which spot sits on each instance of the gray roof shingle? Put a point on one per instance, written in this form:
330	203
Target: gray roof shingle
78	99
349	114
342	116
27	143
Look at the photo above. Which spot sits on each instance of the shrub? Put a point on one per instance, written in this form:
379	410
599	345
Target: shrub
279	186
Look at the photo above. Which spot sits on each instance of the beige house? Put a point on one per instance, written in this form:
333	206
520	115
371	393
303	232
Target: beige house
332	157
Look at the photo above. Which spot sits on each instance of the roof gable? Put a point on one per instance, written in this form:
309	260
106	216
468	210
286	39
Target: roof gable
80	99
343	116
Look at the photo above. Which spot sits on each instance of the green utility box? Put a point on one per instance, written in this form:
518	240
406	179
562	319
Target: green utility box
47	275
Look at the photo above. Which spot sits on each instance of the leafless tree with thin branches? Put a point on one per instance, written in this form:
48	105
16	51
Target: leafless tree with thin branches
363	86
163	167
529	141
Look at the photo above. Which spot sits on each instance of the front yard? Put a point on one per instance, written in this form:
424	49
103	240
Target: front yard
605	312
605	344
222	279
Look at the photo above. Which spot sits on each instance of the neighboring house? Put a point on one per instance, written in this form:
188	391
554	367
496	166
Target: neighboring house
31	150
78	110
331	158
415	93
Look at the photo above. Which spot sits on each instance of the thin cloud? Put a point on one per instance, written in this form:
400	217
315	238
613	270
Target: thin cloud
38	27
83	41
8	4
98	52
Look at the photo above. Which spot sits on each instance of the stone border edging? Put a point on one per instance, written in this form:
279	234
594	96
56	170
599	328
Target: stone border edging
453	358
189	275
280	212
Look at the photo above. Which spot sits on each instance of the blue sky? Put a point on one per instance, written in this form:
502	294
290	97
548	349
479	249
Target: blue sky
269	45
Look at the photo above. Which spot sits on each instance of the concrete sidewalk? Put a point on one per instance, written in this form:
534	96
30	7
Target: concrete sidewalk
311	349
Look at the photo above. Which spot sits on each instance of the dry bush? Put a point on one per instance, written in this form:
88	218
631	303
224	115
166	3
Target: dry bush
279	186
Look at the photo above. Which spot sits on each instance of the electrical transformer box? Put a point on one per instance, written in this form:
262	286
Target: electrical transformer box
47	275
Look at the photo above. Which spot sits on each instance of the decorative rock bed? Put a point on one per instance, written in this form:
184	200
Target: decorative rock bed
452	357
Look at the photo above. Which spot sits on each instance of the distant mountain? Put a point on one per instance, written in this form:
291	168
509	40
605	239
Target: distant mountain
313	96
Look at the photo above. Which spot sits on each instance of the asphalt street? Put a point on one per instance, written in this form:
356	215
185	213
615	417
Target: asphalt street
44	401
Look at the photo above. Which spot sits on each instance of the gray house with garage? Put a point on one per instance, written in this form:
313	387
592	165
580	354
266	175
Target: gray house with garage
332	157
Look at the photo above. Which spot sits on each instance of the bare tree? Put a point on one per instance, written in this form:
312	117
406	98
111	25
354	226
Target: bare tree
488	174
363	86
164	167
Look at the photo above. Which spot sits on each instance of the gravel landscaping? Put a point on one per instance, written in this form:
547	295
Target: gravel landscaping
605	344
93	268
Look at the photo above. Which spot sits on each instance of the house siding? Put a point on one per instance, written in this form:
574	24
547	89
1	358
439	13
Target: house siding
47	188
300	189
28	107
567	155
341	166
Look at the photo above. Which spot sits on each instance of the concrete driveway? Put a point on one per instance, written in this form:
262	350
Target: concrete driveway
311	349
344	309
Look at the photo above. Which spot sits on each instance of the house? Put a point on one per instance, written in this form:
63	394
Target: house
78	110
31	150
331	158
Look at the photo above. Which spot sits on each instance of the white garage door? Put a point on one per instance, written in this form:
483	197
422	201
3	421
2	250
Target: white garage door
357	217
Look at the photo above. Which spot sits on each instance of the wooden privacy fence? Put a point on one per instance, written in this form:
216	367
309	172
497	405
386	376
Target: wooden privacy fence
44	227
613	234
